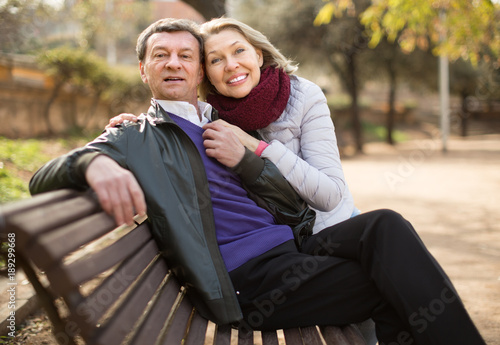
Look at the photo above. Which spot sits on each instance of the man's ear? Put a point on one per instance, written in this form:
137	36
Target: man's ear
143	73
201	75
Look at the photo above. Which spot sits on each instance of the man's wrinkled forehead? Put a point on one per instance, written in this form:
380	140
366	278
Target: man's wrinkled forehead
182	41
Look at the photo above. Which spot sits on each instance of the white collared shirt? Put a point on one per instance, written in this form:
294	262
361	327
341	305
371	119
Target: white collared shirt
188	111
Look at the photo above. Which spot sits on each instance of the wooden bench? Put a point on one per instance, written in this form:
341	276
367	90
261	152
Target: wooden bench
102	284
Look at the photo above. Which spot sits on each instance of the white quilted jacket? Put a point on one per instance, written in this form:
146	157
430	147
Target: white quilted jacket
303	146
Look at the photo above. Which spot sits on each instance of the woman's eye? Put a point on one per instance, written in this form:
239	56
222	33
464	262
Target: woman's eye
214	61
240	50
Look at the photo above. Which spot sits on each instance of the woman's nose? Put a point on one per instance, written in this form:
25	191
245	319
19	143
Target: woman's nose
232	64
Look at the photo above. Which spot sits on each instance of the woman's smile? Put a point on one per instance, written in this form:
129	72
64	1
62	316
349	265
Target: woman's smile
236	79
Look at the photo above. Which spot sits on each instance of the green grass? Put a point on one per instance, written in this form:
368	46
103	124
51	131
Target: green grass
18	158
11	187
25	154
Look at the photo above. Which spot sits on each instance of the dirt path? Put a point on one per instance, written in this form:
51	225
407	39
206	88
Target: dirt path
453	201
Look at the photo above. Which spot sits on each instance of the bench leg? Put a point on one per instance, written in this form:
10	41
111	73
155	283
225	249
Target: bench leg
47	302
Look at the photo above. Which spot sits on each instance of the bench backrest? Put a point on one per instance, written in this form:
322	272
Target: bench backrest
108	285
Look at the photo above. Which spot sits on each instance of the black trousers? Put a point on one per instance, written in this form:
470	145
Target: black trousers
371	266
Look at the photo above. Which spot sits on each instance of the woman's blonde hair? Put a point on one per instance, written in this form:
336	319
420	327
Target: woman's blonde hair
272	56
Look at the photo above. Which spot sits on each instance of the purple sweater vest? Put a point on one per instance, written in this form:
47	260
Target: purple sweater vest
244	230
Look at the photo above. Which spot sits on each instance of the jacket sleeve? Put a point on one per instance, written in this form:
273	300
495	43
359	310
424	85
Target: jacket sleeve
316	174
269	189
68	171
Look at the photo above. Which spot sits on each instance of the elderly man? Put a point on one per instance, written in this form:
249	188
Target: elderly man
236	233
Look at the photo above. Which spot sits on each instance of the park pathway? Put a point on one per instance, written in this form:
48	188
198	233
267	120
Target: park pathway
453	201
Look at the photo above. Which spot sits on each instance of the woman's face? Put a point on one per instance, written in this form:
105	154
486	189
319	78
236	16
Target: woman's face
232	63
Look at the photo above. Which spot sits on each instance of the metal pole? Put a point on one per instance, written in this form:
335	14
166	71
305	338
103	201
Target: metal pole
444	92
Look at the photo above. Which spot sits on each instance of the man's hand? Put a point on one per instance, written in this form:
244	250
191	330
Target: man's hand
118	191
222	144
118	119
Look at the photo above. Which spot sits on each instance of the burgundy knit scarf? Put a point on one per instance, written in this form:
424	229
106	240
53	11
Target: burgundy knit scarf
263	105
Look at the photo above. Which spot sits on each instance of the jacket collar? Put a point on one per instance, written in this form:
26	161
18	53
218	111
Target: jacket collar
159	113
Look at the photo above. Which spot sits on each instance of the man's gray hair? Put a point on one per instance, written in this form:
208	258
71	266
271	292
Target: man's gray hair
168	25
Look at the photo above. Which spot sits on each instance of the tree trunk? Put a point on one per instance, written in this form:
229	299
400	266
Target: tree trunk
208	9
353	90
48	105
392	101
92	110
464	116
71	116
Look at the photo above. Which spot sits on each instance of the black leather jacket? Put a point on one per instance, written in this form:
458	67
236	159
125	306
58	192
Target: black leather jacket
168	166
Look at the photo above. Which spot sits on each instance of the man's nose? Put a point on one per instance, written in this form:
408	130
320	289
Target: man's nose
173	62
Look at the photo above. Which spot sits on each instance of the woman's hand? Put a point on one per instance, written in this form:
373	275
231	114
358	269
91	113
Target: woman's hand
119	119
246	139
222	144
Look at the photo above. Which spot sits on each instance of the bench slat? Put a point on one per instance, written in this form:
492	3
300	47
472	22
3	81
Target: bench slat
269	338
154	322
293	336
123	320
90	310
245	337
353	335
334	335
180	323
311	336
39	220
86	268
196	333
222	335
9	210
55	245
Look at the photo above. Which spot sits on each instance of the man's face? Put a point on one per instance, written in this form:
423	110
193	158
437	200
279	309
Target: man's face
172	66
